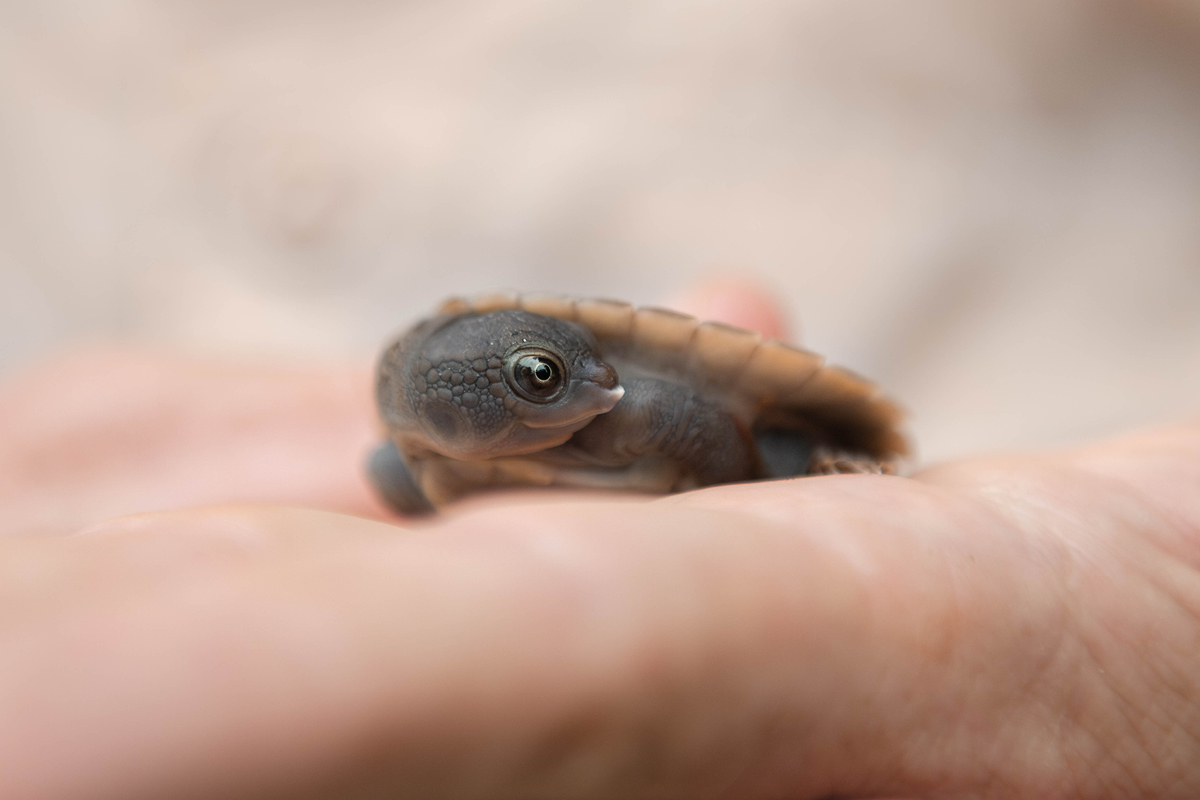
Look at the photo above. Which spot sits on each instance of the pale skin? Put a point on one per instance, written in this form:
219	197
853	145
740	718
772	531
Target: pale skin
1011	627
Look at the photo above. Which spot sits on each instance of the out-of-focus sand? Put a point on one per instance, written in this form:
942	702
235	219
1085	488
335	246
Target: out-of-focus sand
994	209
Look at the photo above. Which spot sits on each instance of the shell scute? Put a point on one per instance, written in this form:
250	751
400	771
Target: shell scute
778	371
551	305
606	319
662	332
862	426
454	306
720	351
830	386
500	301
854	409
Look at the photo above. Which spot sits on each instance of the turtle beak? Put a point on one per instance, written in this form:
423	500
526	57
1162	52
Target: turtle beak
603	384
602	375
615	394
589	399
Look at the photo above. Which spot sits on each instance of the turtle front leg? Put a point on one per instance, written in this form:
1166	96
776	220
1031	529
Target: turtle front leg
394	482
670	421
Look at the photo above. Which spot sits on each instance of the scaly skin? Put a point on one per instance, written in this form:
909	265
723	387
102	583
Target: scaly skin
1019	627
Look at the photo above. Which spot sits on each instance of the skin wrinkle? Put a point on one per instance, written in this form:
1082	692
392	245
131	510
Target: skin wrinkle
941	659
1109	750
1056	559
979	687
1180	685
1110	756
1072	697
1157	521
1148	723
1116	468
1114	749
1077	522
1011	507
843	520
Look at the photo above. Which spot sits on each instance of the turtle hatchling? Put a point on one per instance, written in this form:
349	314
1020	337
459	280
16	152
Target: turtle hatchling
508	391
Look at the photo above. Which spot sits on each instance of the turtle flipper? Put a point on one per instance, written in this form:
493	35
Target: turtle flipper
390	476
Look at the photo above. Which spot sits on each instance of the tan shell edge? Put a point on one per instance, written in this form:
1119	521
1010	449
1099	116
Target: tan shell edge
606	319
659	329
778	376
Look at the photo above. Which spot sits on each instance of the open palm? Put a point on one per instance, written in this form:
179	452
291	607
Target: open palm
1024	627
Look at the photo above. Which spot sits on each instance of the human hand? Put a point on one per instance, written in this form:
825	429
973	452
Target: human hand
110	431
1017	627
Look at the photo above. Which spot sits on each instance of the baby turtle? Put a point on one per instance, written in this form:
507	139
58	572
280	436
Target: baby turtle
537	390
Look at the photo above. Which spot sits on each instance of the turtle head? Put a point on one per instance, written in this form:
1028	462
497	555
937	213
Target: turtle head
498	384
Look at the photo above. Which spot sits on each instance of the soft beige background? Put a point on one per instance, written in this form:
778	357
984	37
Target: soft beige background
993	208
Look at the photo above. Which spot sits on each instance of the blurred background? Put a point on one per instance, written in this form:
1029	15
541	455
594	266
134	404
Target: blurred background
992	208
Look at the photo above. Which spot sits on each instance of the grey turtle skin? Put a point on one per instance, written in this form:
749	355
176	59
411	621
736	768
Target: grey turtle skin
537	391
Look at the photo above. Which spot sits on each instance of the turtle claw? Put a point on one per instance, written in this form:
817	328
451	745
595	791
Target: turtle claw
827	463
394	483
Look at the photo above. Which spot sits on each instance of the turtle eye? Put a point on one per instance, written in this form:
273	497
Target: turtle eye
537	377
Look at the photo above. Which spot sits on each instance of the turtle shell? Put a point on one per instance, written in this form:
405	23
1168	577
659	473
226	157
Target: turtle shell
769	384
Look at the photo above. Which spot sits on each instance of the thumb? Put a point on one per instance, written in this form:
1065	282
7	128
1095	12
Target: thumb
735	301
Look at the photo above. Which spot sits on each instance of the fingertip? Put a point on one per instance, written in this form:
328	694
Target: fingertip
742	302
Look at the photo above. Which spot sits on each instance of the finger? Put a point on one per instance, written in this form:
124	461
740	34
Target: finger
110	432
736	301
